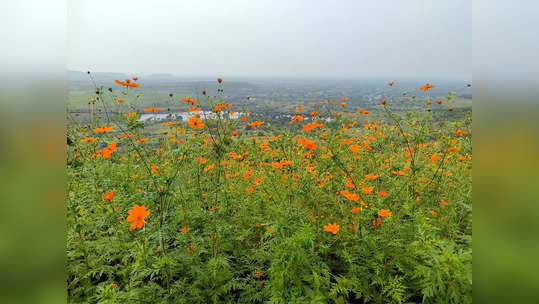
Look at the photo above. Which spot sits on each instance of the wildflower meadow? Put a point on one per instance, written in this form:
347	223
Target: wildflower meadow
338	205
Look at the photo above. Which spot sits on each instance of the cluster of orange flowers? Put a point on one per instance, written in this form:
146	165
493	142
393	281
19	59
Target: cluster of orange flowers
306	143
103	129
311	126
138	214
223	105
107	151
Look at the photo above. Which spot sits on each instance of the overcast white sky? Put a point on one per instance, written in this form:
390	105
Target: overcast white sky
337	38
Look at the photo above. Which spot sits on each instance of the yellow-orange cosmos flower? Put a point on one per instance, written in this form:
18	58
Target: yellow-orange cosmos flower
88	139
255	123
195	123
107	196
426	87
103	129
332	227
384	212
153	109
136	217
310	126
307	144
349	195
107	151
367	190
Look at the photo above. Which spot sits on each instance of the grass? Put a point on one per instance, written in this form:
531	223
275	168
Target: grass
352	211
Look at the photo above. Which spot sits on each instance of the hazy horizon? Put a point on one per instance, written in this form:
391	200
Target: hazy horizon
202	77
281	39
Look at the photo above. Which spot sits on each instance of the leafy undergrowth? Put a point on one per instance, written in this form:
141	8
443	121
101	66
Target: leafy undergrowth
332	208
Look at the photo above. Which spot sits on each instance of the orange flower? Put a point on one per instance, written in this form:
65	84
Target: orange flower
107	151
107	196
391	83
428	103
333	228
219	80
145	139
444	203
439	101
376	222
382	193
243	118
154	170
307	144
426	87
259	273
300	109
310	126
362	112
434	158
125	135
209	167
130	114
114	285
255	123
355	209
235	156
372	176
296	118
383	102
172	123
344	98
137	214
103	129
184	229
87	139
349	195
384	212
280	164
264	146
188	98
346	142
120	100
367	190
195	123
153	109
355	148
